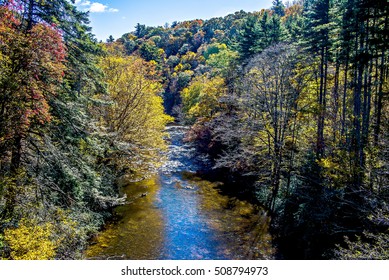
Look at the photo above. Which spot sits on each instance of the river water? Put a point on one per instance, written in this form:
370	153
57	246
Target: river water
176	215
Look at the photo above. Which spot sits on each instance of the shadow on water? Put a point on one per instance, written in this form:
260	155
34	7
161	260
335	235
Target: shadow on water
137	232
183	216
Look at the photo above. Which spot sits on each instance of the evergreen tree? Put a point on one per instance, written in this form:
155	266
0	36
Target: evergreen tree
318	43
278	8
58	158
110	39
249	37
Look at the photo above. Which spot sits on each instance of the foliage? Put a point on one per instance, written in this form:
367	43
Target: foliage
32	62
301	110
223	61
375	247
201	98
33	67
55	165
135	120
31	241
292	99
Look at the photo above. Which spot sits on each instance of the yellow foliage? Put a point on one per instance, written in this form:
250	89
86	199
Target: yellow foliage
161	52
132	37
178	68
327	163
201	98
31	241
189	57
136	116
336	168
209	97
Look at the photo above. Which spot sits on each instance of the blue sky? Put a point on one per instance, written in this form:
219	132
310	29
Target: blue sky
117	17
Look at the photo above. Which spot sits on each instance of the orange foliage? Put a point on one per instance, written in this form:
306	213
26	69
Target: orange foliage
32	66
294	10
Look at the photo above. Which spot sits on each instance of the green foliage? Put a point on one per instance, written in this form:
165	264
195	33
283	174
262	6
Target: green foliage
201	98
149	51
258	33
223	62
214	48
249	37
278	8
293	98
184	78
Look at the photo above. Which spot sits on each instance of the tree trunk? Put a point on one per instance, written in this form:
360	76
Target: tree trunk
30	15
276	176
320	122
357	143
335	124
366	95
377	129
10	193
344	99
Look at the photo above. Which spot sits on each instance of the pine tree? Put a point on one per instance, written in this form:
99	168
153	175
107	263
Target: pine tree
278	8
249	37
318	43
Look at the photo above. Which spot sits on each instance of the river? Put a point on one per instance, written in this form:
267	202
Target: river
176	215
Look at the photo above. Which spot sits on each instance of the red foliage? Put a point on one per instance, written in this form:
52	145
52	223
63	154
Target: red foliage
33	62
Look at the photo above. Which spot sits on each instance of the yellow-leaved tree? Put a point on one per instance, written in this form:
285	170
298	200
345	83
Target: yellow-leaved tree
134	118
31	241
201	98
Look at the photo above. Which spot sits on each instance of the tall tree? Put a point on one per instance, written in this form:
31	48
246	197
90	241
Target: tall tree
60	143
33	59
249	37
318	43
271	103
135	120
278	8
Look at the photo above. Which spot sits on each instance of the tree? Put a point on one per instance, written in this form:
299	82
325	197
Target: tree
140	30
318	43
149	51
258	32
201	99
110	39
278	8
135	119
61	145
249	37
271	102
34	68
223	62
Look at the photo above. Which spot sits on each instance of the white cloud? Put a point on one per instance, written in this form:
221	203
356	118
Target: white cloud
95	7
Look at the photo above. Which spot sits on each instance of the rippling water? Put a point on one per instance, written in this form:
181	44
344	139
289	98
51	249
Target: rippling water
177	215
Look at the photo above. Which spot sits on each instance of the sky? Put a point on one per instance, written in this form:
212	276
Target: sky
116	17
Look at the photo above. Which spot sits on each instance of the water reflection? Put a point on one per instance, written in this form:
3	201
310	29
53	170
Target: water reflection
138	231
183	217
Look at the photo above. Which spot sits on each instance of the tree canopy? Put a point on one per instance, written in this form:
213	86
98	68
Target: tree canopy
291	101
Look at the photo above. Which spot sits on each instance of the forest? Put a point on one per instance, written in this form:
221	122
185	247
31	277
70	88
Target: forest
291	102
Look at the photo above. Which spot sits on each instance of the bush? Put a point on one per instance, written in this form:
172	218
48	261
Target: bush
31	241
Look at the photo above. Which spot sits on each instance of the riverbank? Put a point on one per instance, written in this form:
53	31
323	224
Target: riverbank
179	215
